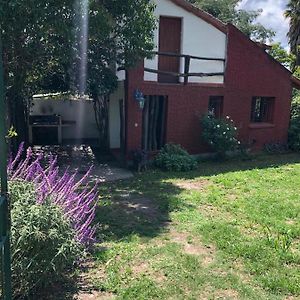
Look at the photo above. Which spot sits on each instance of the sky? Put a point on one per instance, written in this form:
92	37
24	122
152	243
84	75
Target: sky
272	16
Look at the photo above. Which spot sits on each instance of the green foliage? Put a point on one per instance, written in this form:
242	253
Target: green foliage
296	73
173	158
43	244
120	31
11	133
281	55
294	130
227	12
281	242
293	13
220	134
39	42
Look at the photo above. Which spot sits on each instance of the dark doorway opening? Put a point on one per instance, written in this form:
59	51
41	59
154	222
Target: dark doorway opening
154	123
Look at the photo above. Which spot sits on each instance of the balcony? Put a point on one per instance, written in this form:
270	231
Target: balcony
169	62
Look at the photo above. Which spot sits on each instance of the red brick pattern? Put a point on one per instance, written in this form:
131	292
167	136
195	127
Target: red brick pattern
249	72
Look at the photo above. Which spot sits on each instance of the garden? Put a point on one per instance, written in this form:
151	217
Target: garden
187	228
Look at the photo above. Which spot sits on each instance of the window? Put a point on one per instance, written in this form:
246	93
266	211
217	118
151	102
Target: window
215	106
262	109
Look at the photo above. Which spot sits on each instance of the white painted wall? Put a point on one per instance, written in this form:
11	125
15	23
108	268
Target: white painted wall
114	116
121	75
69	110
73	110
199	38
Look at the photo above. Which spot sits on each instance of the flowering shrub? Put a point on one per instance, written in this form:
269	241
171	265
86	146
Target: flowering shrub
173	158
220	134
77	202
43	246
52	217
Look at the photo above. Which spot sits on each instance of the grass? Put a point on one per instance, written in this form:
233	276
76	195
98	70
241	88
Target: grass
228	230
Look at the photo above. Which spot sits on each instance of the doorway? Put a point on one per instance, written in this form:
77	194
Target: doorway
169	42
154	123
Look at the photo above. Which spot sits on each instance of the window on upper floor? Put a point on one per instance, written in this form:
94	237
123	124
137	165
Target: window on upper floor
262	109
215	106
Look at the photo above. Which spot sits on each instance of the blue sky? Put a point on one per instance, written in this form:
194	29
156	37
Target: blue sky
272	16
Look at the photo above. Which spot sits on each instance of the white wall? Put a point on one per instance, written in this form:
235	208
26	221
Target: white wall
199	38
69	110
83	113
121	75
114	116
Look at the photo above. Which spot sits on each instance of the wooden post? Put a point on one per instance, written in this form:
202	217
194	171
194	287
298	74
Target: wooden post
4	201
187	62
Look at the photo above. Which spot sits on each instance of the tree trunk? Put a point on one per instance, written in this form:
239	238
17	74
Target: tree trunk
17	118
101	116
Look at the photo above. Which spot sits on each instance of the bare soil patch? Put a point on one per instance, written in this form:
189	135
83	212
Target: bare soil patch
197	185
210	293
226	294
86	290
136	204
144	268
211	211
94	295
232	197
291	221
193	247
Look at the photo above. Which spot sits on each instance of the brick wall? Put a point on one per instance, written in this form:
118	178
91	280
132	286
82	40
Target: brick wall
249	72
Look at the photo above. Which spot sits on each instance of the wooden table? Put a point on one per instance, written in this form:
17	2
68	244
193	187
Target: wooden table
60	125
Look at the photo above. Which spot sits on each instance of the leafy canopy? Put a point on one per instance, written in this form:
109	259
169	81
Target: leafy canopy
39	40
281	55
40	47
293	13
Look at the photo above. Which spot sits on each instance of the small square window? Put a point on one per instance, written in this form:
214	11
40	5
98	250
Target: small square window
215	106
262	109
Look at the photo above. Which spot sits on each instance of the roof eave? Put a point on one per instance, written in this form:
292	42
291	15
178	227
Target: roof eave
201	14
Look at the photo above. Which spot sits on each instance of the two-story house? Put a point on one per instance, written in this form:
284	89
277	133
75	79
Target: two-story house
199	64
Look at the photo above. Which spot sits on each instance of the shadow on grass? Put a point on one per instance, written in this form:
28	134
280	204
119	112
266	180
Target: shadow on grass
142	205
135	207
262	161
63	290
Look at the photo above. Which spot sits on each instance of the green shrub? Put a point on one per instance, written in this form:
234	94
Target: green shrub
43	241
294	130
220	134
173	158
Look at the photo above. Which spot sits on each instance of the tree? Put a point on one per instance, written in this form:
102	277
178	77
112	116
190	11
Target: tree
293	13
286	58
40	55
32	43
227	12
281	55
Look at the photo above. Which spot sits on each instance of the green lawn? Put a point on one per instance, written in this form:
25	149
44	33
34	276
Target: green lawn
228	230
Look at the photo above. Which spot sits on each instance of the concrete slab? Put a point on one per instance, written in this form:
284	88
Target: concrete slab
80	159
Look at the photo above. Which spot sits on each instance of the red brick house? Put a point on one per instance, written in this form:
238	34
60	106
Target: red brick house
228	73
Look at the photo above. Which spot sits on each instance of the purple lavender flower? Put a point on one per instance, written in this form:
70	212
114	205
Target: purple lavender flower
78	201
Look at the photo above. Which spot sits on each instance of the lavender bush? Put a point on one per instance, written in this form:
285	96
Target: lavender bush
77	200
44	250
52	222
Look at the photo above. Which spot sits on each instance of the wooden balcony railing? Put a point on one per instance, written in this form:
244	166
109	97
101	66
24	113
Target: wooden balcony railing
187	63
